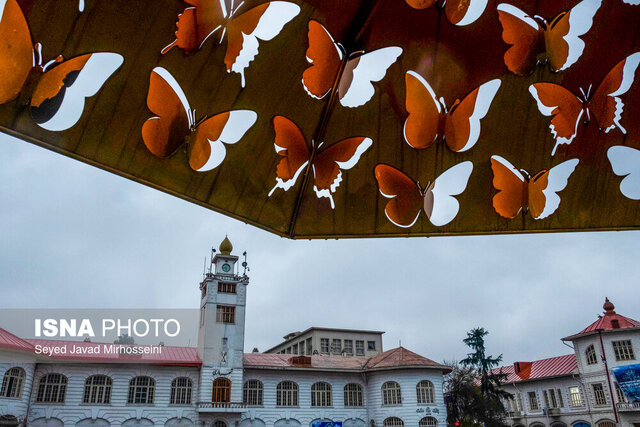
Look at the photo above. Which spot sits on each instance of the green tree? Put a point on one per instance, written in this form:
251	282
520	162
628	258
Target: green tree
472	389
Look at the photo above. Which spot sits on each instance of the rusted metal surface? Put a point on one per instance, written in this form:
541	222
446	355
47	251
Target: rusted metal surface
454	61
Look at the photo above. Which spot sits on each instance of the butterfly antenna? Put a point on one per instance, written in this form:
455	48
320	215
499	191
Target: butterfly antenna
540	18
223	6
238	7
224	30
81	5
589	90
37	49
444	105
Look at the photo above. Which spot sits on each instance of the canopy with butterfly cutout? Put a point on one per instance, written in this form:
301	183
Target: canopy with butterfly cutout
257	180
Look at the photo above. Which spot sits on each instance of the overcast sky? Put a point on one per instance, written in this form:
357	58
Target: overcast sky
74	236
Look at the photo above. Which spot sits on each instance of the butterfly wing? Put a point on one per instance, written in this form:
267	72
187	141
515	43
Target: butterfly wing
625	162
524	34
263	22
330	162
464	12
421	125
165	133
208	148
562	39
16	50
544	186
606	104
196	23
292	147
462	128
421	4
439	204
564	108
510	183
325	58
58	100
406	197
356	84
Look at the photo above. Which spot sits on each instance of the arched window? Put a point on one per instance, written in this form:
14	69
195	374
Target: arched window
252	393
321	394
141	391
425	393
52	389
219	423
606	424
287	394
221	390
12	383
353	395
428	422
181	388
391	393
97	389
590	352
393	422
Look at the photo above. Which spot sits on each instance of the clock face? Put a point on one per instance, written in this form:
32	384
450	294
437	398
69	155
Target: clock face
226	267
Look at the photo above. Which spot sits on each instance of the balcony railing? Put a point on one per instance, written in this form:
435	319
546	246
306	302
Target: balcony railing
222	407
515	414
623	407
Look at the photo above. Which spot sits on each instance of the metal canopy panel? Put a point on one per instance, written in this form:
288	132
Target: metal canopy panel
453	60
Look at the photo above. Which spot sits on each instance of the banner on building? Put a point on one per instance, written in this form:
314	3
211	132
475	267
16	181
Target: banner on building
326	424
628	378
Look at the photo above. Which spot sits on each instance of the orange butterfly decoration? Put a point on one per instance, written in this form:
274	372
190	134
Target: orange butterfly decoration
207	17
57	102
518	191
534	40
360	70
605	103
327	165
175	124
429	119
458	12
408	198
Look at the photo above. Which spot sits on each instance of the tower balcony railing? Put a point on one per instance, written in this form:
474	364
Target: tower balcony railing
624	407
222	407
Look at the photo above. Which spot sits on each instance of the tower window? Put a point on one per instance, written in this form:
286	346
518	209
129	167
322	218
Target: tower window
371	345
590	353
336	346
623	350
598	394
226	288
225	314
348	347
221	390
359	348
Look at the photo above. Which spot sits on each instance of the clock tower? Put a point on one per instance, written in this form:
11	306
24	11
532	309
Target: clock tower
221	330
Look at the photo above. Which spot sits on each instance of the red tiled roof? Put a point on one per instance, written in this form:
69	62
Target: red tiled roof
94	352
610	321
538	369
271	360
10	341
396	358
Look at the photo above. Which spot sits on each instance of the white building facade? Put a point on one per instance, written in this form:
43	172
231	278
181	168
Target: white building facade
216	383
579	389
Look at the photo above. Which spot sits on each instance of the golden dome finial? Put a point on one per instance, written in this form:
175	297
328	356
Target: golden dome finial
226	247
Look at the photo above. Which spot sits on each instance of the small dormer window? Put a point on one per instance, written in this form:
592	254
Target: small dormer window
226	288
